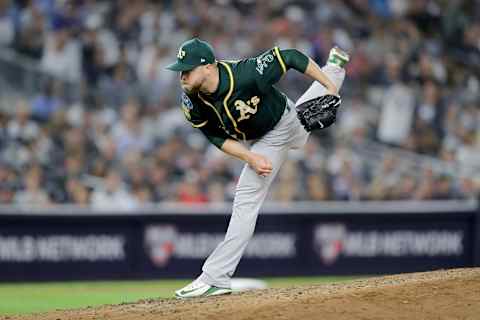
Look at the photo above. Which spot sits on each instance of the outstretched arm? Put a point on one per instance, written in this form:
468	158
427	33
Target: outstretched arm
297	60
260	164
270	66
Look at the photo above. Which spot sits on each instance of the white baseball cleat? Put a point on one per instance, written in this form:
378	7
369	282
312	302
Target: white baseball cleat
198	289
338	57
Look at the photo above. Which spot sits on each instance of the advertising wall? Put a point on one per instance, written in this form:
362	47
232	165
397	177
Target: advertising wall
55	247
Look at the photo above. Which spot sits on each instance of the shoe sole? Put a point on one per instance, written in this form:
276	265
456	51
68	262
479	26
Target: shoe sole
208	293
219	292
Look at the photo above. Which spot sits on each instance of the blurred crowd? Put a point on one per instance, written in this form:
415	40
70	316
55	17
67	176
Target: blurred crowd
412	84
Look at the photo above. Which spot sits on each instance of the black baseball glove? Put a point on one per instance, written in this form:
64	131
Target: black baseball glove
318	113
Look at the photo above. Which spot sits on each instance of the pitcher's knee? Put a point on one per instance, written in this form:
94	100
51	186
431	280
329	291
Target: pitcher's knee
244	207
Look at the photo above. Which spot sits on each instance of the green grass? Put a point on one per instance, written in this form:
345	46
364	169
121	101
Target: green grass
22	298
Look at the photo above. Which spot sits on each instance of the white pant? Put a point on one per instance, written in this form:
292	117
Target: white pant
252	188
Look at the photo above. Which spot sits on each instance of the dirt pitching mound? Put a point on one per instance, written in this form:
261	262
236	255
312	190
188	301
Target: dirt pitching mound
445	294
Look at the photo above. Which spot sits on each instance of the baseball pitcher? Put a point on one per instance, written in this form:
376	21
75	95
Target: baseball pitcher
239	110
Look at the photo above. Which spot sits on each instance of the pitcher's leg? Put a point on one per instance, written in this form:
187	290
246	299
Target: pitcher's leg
335	74
249	196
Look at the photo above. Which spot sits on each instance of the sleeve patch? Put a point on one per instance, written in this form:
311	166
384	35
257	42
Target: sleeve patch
187	102
187	106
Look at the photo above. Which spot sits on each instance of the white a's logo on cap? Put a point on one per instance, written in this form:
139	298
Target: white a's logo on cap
180	54
202	60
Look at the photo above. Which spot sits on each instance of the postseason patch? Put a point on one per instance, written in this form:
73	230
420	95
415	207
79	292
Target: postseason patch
187	106
186	101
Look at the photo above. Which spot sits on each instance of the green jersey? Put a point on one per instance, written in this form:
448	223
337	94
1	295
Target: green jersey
246	104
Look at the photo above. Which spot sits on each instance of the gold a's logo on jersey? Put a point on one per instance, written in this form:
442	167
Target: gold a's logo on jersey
247	108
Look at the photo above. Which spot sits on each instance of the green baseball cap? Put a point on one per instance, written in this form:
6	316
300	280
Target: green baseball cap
193	53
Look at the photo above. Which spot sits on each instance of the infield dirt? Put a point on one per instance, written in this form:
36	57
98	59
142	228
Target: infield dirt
444	294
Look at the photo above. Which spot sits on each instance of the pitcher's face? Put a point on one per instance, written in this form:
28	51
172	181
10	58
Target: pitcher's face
192	80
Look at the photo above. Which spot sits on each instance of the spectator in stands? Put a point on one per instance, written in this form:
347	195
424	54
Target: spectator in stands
465	188
8	17
128	133
386	176
405	189
47	102
113	194
151	71
77	193
286	188
116	86
470	48
22	129
190	192
31	31
216	192
426	186
346	183
428	119
443	188
61	54
158	178
74	166
468	153
356	120
143	195
397	114
31	193
100	50
317	188
8	183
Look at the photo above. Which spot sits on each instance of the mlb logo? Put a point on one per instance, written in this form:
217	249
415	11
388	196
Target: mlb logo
329	241
160	243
